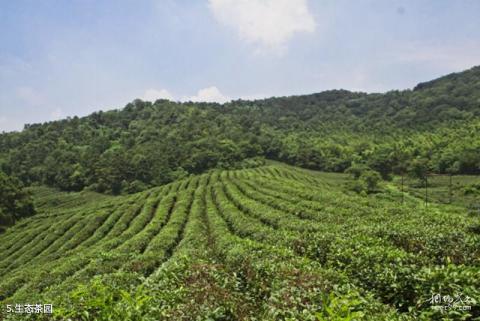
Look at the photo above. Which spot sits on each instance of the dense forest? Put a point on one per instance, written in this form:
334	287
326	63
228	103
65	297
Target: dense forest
432	128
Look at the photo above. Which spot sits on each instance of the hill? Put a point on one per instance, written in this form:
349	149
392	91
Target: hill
149	144
269	243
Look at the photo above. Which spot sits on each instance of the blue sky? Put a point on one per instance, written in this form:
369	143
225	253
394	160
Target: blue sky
65	58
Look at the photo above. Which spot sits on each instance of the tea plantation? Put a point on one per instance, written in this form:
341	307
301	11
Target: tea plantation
269	243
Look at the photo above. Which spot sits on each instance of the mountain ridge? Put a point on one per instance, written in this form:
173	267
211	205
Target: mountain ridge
149	144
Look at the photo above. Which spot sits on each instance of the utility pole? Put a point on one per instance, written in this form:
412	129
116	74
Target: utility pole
450	188
403	193
426	190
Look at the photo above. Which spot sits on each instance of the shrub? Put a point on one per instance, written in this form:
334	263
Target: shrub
371	179
15	202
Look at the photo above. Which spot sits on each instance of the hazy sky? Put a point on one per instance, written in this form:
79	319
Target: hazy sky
65	58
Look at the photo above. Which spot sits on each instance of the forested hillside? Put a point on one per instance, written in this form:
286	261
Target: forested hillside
434	127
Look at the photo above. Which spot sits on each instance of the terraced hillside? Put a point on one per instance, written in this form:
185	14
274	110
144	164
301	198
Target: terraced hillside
269	243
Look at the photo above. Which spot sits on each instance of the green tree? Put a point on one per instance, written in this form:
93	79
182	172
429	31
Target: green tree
419	168
371	179
15	203
356	170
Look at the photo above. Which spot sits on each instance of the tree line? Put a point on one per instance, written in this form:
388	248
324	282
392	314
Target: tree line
434	127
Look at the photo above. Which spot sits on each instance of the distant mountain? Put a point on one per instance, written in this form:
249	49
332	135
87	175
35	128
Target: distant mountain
147	144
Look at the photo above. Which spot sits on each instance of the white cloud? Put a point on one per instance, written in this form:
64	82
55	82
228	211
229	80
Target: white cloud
154	94
210	94
57	114
269	24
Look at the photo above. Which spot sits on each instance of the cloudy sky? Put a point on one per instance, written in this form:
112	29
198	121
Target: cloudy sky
73	57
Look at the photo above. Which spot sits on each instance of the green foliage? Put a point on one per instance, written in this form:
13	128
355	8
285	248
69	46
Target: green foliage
341	308
266	243
99	301
472	189
366	180
356	170
419	168
149	144
371	180
15	202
